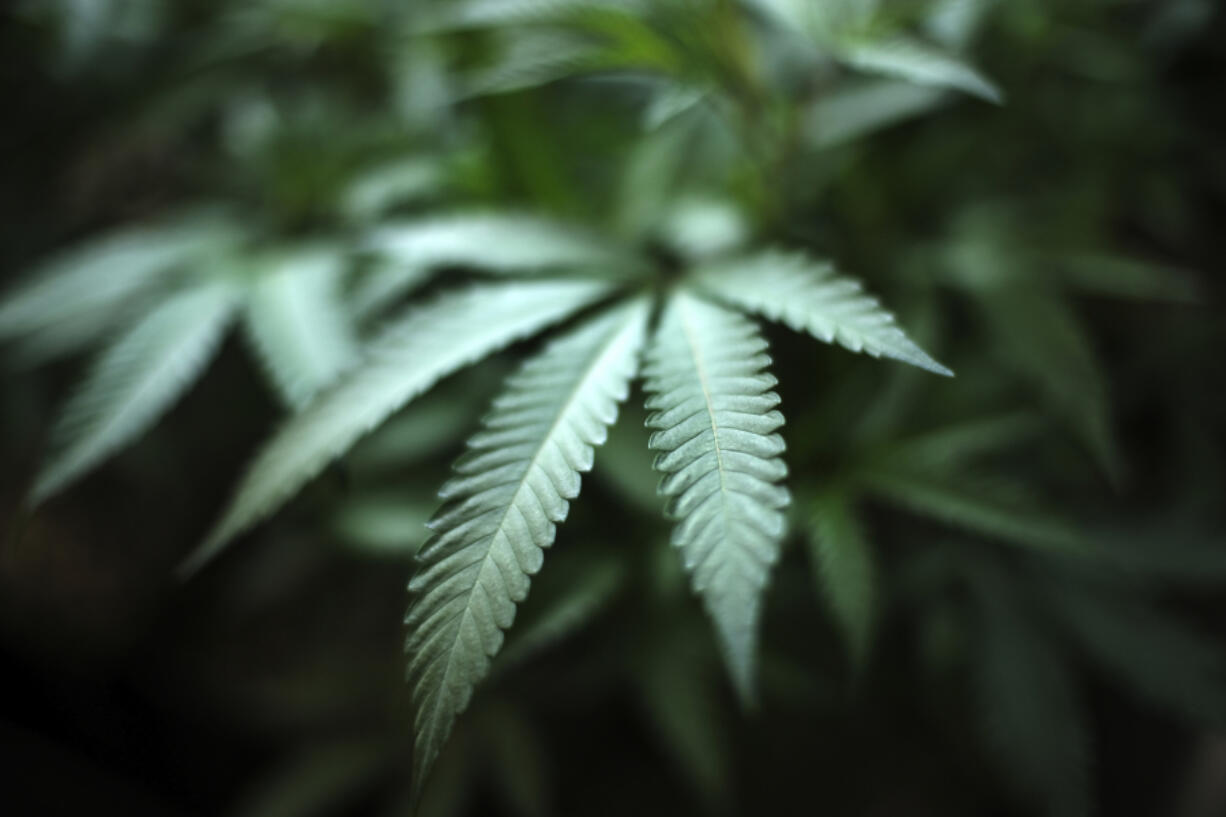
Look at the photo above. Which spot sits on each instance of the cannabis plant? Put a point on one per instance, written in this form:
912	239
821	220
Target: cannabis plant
403	228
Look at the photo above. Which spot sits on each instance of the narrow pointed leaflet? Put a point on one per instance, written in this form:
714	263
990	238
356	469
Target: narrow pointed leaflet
807	296
715	419
415	352
134	382
501	509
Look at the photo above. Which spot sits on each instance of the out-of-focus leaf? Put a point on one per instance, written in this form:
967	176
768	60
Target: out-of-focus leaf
1043	339
94	282
379	287
389	523
413	354
953	23
533	58
699	228
670	100
297	321
850	113
1125	277
843	564
918	62
977	504
498	242
387	185
134	382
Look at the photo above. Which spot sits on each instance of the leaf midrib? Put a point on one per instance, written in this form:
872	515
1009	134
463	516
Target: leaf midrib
603	351
701	370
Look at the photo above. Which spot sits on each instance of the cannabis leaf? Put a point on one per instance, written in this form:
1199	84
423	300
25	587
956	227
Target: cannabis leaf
851	113
81	294
843	562
715	420
511	489
412	354
135	381
297	323
808	296
919	62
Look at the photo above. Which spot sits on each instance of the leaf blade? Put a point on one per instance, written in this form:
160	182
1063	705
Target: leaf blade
296	321
511	489
807	296
714	419
414	352
845	570
134	381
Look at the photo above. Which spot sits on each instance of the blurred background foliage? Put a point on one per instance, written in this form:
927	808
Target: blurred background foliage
1001	593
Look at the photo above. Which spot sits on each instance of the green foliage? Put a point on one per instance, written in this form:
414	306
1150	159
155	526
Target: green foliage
418	194
412	354
510	491
715	424
137	379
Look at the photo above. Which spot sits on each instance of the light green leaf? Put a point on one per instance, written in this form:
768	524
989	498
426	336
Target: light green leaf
511	489
92	284
531	58
918	62
134	382
820	19
843	562
852	112
381	286
670	100
378	190
808	296
415	352
954	23
388	523
497	242
297	322
976	504
504	13
715	420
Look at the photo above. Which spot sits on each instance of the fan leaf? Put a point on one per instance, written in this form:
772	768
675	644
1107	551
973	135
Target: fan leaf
714	419
414	352
511	488
134	382
808	296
